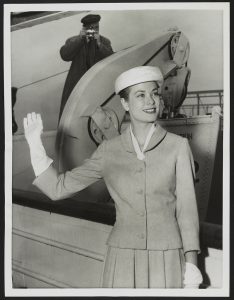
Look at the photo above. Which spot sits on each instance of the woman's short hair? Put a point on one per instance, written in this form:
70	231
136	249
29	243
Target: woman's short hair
125	93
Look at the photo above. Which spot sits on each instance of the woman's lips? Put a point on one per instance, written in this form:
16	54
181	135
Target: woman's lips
150	110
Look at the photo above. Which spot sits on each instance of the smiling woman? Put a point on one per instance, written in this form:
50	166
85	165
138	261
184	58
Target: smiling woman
155	239
141	99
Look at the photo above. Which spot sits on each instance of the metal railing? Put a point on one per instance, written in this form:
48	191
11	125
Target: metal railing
201	102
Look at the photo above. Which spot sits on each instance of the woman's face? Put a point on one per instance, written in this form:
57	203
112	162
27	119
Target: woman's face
143	102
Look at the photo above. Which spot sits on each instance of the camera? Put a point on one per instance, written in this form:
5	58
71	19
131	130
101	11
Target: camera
90	33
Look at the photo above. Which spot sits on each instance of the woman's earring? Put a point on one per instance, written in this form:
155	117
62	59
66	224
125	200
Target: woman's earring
125	104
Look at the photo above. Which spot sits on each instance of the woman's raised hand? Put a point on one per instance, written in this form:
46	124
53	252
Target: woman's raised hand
33	127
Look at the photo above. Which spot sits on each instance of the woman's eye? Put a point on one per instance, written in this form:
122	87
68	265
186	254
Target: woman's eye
140	95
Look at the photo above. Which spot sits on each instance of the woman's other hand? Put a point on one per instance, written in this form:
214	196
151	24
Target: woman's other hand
192	276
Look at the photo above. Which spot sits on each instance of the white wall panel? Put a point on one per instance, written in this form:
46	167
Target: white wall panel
59	250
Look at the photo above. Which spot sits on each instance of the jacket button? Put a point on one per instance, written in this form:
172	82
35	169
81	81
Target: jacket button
139	170
142	213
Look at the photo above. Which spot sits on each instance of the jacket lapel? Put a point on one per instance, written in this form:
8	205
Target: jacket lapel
156	138
127	140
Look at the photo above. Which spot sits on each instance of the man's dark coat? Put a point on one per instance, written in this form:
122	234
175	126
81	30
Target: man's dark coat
83	56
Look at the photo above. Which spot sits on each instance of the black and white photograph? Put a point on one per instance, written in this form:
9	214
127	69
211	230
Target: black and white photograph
117	149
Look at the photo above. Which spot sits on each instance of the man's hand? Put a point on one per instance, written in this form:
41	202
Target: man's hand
97	38
82	33
33	128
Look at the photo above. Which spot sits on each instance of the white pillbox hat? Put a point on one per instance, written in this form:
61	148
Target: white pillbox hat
138	75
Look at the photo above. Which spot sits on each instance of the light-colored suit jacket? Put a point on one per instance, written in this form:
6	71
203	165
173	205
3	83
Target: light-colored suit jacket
155	198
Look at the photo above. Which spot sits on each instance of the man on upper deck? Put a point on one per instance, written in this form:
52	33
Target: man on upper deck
83	50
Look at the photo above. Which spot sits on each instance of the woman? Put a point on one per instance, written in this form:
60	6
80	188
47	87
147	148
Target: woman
149	174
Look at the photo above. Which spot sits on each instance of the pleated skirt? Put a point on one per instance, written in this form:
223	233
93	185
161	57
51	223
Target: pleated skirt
132	268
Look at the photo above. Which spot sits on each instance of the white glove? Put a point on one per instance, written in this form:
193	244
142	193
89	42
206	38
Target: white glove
33	128
192	276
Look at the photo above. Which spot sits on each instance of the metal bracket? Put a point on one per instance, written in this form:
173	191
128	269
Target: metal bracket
182	51
106	121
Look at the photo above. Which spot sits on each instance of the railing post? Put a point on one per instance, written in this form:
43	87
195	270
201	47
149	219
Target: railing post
199	95
198	104
220	99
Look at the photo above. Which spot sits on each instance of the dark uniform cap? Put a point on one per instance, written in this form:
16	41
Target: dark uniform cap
89	19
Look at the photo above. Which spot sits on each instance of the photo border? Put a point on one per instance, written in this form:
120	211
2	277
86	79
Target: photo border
9	291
